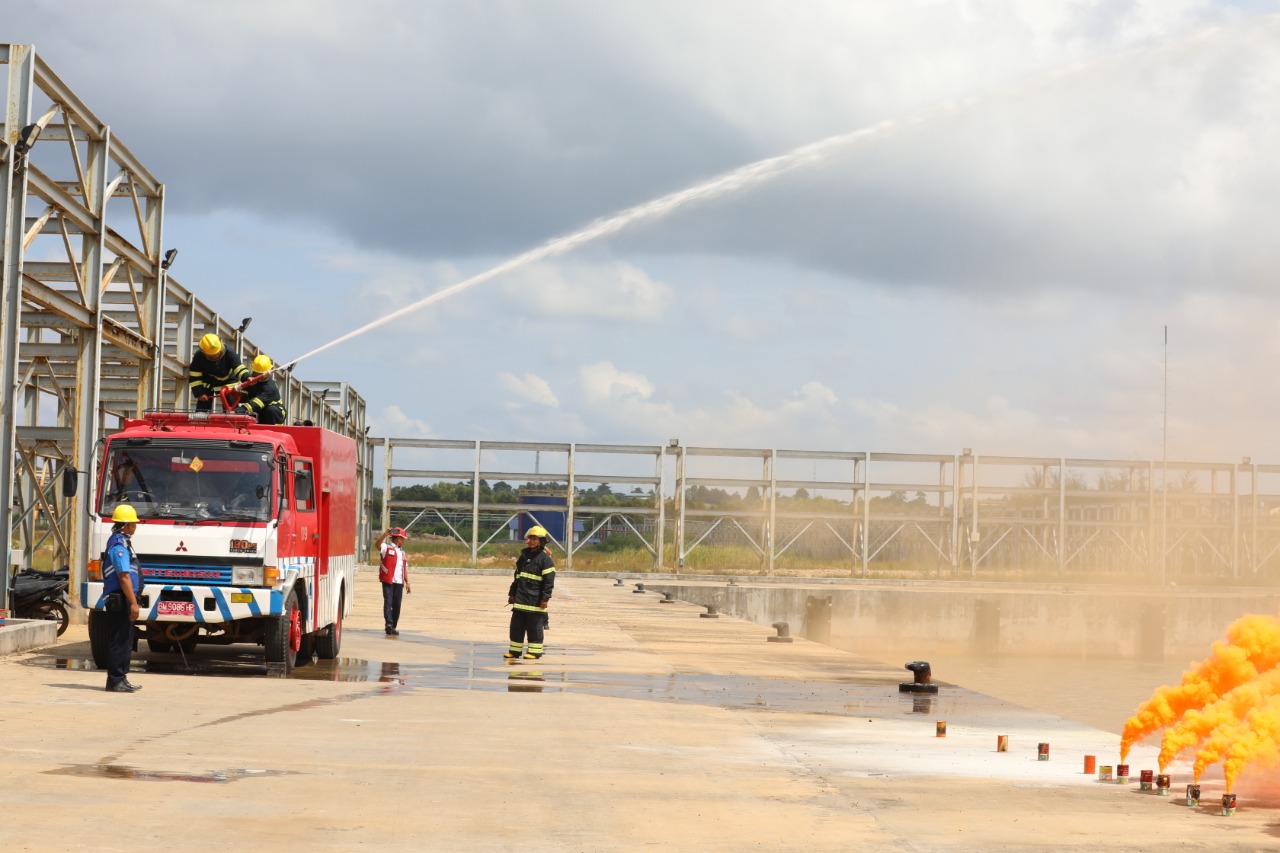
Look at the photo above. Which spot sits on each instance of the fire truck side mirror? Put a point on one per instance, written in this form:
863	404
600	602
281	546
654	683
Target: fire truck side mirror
302	486
69	482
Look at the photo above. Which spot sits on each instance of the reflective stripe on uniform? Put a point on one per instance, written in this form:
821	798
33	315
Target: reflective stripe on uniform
529	607
528	576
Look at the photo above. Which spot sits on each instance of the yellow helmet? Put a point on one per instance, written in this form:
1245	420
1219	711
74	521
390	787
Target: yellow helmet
125	513
211	345
540	532
262	364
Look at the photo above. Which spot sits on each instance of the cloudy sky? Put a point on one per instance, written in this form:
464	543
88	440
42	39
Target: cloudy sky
1040	189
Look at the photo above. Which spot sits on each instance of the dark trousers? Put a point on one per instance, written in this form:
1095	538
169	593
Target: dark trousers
392	595
528	623
119	645
272	414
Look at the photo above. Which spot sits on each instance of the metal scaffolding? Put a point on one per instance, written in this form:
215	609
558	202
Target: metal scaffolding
95	329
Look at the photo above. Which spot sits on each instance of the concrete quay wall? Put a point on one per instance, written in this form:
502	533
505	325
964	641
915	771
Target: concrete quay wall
988	620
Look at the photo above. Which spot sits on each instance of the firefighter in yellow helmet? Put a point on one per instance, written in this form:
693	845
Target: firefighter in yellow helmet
262	396
530	594
213	366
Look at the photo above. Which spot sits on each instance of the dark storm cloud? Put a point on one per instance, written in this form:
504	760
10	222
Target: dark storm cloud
442	130
423	128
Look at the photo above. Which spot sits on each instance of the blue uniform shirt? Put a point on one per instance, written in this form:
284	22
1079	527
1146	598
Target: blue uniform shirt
120	560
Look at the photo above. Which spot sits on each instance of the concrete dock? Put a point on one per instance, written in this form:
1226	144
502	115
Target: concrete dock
645	727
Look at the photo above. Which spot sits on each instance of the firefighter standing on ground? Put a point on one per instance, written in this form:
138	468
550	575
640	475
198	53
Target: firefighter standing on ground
262	398
121	576
530	594
393	572
213	366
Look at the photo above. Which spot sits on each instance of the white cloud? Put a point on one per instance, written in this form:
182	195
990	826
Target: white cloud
579	289
530	387
392	421
602	383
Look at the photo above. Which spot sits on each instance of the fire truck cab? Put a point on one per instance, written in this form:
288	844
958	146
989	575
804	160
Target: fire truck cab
246	533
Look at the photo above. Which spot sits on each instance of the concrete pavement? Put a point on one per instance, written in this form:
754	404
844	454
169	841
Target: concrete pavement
645	727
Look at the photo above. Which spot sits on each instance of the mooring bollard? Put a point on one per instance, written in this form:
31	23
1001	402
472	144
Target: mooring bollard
713	612
639	588
668	598
618	582
923	682
784	633
733	582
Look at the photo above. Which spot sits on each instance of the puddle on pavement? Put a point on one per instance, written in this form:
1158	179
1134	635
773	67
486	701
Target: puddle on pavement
124	771
479	666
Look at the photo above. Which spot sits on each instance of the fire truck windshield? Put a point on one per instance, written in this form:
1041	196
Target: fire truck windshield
190	482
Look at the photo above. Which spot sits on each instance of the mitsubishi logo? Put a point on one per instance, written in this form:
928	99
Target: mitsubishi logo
181	547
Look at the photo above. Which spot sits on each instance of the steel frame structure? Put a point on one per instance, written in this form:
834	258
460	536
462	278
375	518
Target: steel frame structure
576	471
94	328
972	515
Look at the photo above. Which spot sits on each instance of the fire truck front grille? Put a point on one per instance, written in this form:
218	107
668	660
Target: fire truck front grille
177	573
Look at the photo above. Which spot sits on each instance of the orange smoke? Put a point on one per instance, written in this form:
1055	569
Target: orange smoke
1197	725
1252	646
1243	741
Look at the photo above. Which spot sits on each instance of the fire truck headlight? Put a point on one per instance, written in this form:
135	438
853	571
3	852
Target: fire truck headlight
247	576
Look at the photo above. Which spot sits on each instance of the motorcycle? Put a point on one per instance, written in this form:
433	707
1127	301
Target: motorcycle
41	595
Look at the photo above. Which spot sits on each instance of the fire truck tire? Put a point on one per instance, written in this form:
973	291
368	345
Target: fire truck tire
189	644
327	647
306	651
160	646
279	647
98	638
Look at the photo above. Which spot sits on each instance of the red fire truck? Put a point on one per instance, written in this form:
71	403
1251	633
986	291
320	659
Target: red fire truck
246	533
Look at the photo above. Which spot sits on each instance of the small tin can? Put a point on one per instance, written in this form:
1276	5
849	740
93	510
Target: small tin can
1122	774
1002	743
1162	784
1104	773
942	728
1193	795
1228	804
1146	778
1090	764
1042	752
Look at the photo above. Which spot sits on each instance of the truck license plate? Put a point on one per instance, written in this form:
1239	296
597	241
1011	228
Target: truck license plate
175	608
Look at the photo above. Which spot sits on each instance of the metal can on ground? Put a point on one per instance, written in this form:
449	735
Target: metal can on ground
1162	784
1042	752
942	728
1090	764
1228	804
1193	795
1146	779
1122	774
1002	743
1104	773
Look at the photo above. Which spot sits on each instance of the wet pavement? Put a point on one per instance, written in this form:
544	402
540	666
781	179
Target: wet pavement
651	727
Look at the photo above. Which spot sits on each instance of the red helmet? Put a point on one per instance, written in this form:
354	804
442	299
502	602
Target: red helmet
399	531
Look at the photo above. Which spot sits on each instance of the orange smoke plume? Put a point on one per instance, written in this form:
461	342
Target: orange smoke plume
1238	742
1252	646
1197	724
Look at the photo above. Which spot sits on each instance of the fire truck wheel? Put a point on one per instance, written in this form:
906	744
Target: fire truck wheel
279	645
160	646
328	645
306	651
98	638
